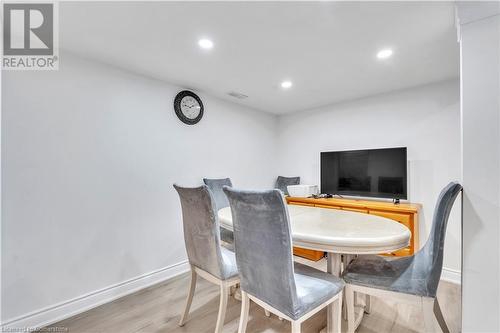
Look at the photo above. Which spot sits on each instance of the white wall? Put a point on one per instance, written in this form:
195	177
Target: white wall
480	75
424	119
89	156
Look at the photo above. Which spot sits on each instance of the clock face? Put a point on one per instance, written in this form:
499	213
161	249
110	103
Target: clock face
188	107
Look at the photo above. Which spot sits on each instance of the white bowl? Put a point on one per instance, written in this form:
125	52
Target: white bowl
302	191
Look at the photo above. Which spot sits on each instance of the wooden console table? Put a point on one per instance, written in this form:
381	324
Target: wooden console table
405	213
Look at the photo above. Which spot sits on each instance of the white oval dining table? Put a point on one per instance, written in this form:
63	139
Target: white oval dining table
338	232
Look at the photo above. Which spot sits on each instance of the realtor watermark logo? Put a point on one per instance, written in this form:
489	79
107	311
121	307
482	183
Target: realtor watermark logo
30	36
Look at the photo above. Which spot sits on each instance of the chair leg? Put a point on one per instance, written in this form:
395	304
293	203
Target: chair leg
440	317
349	297
295	327
368	304
428	312
268	314
189	299
245	308
344	309
224	294
334	314
336	320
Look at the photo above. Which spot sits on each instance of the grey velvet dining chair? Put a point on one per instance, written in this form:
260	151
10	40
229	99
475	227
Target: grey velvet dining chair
215	186
264	257
283	182
412	279
205	255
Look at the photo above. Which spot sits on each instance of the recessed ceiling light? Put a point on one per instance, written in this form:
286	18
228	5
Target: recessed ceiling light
384	54
205	44
286	84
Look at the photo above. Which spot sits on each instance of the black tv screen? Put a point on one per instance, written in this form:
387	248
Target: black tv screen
379	173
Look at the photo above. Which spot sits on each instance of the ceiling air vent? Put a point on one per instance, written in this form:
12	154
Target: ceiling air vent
237	95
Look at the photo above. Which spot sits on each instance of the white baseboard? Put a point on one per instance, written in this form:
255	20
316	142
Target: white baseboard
451	275
63	310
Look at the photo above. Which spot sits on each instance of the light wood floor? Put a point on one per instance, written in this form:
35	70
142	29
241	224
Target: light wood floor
157	308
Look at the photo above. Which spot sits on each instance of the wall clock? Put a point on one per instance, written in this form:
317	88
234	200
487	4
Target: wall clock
188	107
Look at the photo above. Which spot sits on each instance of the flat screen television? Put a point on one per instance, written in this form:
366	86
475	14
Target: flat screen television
379	173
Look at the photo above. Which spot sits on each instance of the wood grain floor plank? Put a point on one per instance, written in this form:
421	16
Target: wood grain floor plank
157	309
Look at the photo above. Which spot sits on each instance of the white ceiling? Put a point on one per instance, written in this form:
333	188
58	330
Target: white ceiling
327	49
